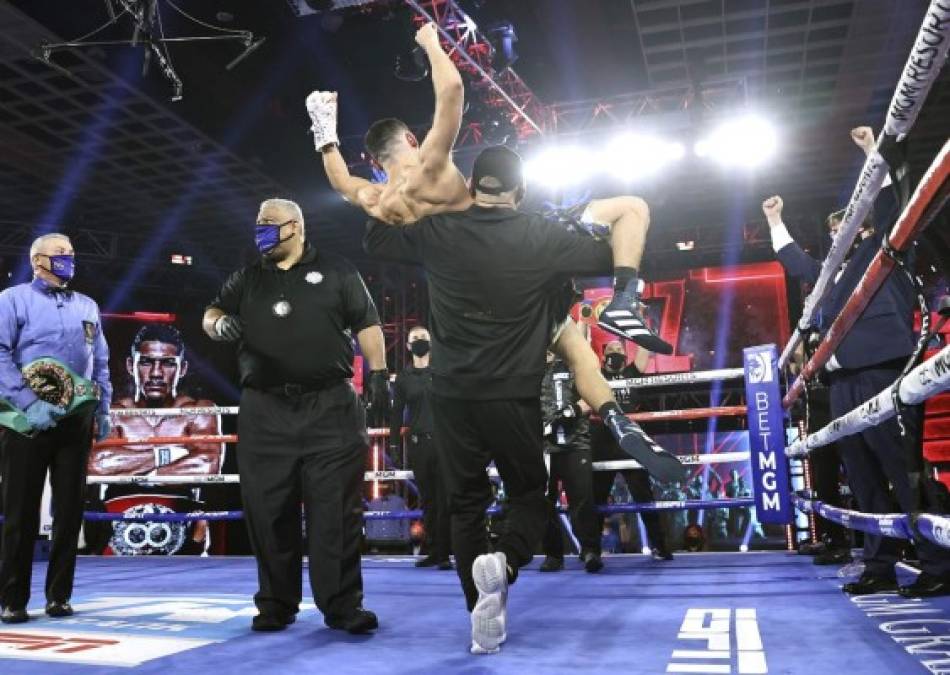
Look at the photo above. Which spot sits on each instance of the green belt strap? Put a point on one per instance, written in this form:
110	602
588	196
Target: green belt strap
56	383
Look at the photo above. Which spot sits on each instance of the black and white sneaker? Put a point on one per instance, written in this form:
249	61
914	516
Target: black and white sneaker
622	317
659	463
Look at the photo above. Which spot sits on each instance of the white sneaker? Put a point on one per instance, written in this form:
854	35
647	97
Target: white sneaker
489	618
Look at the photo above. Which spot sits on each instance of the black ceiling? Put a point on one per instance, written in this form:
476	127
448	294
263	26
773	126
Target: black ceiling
107	155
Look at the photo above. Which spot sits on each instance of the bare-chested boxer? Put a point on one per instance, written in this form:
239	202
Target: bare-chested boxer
423	180
156	365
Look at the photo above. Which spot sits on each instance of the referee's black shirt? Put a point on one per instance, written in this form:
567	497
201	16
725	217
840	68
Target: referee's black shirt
313	344
493	274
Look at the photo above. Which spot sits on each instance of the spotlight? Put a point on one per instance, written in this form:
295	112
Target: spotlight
502	37
633	156
412	66
748	141
561	167
686	245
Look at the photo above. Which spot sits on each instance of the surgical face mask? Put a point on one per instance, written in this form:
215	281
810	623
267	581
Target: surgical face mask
267	237
615	361
62	266
419	347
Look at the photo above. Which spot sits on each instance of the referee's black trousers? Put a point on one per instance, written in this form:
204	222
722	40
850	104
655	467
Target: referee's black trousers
308	449
63	450
470	434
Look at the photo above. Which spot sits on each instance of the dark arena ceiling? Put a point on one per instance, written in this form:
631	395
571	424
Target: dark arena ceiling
95	148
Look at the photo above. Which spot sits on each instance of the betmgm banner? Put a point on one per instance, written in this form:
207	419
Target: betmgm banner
767	435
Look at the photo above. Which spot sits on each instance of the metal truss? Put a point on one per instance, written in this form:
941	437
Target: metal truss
472	53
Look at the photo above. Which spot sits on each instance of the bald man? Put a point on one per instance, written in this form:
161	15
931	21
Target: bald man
302	428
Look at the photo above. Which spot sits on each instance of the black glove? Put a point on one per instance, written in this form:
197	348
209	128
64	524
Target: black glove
377	395
229	328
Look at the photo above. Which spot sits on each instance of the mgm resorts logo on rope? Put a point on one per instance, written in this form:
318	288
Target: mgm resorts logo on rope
125	631
714	628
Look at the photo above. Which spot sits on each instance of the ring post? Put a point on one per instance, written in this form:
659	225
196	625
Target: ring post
767	435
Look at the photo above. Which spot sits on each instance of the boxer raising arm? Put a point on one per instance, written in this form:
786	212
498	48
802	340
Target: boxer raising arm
423	180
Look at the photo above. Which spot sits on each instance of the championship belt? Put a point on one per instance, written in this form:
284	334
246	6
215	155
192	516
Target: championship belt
57	384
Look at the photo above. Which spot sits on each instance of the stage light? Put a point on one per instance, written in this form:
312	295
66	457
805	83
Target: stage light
181	259
502	37
748	141
632	156
561	167
686	245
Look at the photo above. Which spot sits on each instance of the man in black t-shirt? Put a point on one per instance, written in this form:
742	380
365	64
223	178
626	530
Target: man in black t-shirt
293	315
494	275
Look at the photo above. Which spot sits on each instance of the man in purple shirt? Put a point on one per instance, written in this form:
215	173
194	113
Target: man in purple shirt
45	319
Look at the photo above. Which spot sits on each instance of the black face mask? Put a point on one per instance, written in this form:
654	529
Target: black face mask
419	347
615	361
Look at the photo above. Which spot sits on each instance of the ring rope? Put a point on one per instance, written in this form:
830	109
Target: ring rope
740	502
399	474
929	378
920	72
932	527
931	195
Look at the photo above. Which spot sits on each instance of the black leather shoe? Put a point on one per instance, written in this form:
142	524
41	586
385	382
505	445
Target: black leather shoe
445	565
10	615
926	586
869	584
662	554
58	609
551	564
812	548
429	561
357	622
592	562
833	556
272	622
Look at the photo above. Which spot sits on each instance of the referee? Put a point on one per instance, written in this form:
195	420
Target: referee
302	428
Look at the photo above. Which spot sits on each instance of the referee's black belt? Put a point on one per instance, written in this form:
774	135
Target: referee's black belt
294	389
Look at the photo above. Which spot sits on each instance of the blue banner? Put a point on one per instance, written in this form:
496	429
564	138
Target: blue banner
767	435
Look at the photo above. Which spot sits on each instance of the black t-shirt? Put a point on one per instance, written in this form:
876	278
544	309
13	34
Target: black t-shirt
492	274
313	344
412	388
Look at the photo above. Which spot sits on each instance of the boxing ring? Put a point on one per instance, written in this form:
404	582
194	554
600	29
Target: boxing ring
747	613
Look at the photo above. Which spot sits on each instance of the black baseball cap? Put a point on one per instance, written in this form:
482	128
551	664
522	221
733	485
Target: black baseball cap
501	164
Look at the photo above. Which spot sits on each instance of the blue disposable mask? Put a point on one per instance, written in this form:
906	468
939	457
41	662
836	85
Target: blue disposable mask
62	266
267	237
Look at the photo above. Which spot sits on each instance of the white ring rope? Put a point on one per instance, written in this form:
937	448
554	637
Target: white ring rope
929	378
399	474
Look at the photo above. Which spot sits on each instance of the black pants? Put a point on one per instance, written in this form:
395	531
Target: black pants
309	449
605	449
873	459
825	467
572	468
63	450
433	500
469	435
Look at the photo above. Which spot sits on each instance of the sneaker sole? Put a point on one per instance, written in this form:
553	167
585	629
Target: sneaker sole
489	575
488	624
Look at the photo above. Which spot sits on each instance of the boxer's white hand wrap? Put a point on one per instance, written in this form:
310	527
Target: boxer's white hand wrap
321	105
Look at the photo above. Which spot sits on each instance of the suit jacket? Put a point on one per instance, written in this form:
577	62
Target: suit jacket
885	330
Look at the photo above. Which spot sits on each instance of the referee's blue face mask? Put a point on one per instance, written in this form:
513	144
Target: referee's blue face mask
267	235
